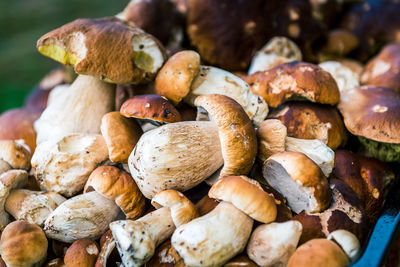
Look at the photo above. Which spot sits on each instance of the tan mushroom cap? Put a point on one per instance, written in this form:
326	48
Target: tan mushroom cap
117	185
294	80
151	107
175	78
372	112
23	244
182	209
247	195
318	252
82	253
16	153
271	136
105	48
121	135
237	135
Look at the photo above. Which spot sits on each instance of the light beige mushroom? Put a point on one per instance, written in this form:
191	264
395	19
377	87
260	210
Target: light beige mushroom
348	242
4	166
175	156
64	164
32	206
16	153
83	216
137	240
272	244
345	78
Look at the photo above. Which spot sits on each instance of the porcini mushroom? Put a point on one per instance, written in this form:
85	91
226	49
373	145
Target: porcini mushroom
82	253
16	153
211	240
348	242
346	78
136	240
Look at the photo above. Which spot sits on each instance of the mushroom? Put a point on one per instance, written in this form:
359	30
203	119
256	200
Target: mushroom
121	135
108	245
294	80
278	50
312	121
23	244
339	43
64	164
175	156
240	260
272	244
83	216
57	262
9	180
272	139
165	256
347	242
82	253
4	166
299	180
345	78
137	240
16	153
211	240
369	178
318	252
373	115
117	185
32	206
382	70
345	212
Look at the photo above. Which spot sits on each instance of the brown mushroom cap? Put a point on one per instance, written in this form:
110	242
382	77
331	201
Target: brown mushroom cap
383	70
368	177
372	112
237	135
23	244
299	180
175	78
247	195
293	80
151	107
271	136
82	253
318	252
119	186
105	48
313	121
16	153
121	135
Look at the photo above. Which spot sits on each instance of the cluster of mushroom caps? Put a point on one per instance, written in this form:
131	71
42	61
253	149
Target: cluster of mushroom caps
120	155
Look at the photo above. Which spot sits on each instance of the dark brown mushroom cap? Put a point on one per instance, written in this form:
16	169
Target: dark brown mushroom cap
313	121
368	177
384	69
294	80
372	112
346	212
151	107
105	48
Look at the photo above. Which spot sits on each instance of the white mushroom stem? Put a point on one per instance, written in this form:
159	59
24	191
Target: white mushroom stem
214	238
137	240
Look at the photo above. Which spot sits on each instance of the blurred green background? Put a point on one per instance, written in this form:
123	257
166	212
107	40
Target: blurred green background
22	22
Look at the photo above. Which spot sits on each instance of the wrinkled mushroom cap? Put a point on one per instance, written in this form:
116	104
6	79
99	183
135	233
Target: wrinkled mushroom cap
236	133
82	252
105	48
247	195
294	80
372	112
117	185
23	244
182	209
151	107
175	78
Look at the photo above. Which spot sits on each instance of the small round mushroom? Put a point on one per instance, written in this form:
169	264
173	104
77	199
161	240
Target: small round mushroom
373	115
175	78
137	240
117	185
318	252
348	242
345	77
150	107
16	153
299	180
121	135
272	244
294	80
211	240
236	133
82	253
32	206
23	244
278	50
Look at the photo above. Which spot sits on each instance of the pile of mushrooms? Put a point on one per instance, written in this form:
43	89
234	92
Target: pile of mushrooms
140	152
